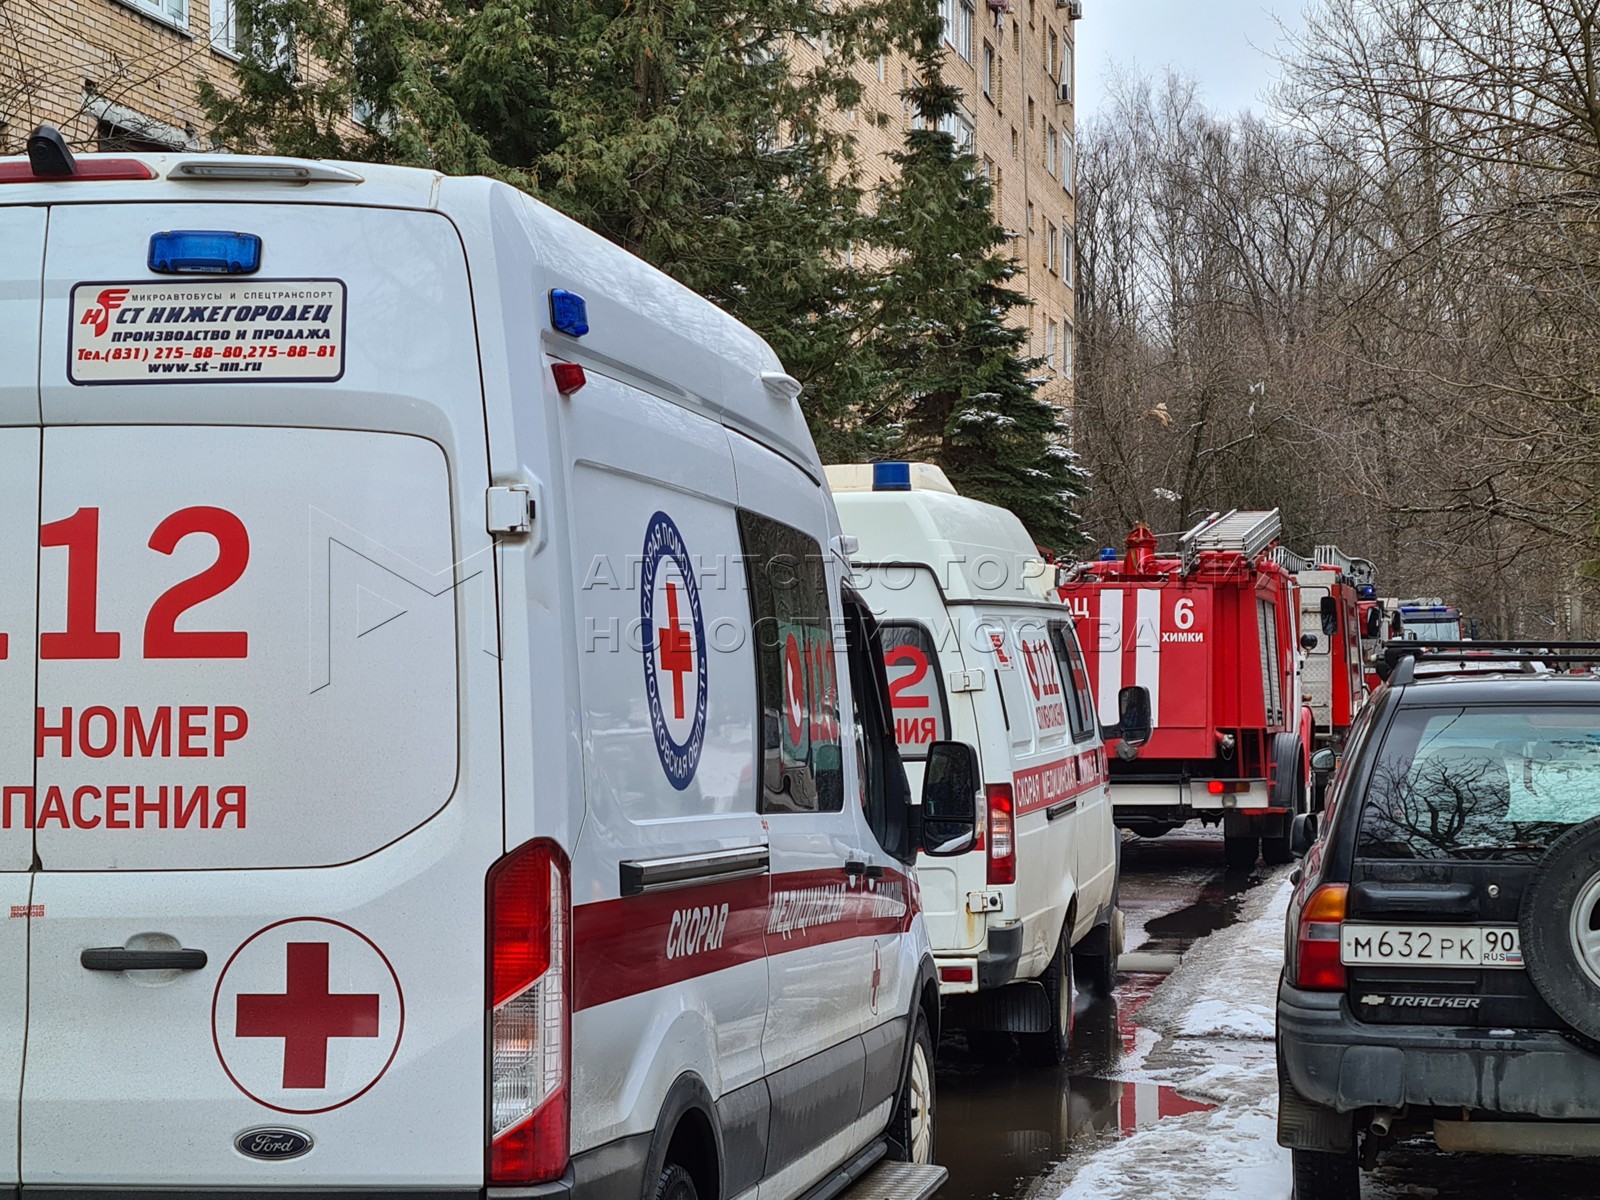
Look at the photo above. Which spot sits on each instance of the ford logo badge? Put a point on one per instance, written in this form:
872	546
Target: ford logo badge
273	1143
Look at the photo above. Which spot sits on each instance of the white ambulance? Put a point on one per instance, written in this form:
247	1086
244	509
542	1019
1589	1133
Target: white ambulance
428	764
981	651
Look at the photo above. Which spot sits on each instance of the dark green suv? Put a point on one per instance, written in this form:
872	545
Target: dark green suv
1443	948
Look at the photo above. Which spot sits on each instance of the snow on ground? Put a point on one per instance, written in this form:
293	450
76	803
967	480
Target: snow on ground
1209	1033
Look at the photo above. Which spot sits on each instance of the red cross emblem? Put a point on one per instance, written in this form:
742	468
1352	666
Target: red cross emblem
676	646
306	1016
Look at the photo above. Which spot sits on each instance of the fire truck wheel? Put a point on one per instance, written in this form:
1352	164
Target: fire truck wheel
1240	852
1276	851
1050	1047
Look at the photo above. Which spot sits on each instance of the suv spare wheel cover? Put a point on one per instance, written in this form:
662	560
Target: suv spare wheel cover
1560	923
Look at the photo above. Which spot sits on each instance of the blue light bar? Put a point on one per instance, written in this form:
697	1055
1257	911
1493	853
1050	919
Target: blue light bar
891	477
204	252
569	312
1108	554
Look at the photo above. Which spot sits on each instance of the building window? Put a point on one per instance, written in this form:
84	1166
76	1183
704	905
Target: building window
1069	162
1016	37
1030	216
1066	350
1050	149
883	68
960	127
1066	254
959	20
1050	344
225	27
1030	112
1050	52
173	12
1065	77
1049	246
1016	142
990	83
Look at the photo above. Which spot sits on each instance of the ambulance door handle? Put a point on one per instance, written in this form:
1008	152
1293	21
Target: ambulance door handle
870	870
115	958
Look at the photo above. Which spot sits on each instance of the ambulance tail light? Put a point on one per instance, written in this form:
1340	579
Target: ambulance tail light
1319	966
1002	838
530	1015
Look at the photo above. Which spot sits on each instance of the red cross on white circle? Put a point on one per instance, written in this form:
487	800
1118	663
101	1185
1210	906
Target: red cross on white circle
307	1015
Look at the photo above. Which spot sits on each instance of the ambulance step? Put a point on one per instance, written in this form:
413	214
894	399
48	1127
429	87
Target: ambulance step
897	1181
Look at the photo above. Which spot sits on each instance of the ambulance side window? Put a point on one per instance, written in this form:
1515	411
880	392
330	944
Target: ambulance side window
885	795
1075	680
916	687
802	766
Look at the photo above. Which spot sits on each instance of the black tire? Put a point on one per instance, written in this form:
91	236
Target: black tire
1319	1175
1050	1047
1289	792
1096	973
1566	879
1276	851
676	1184
1240	851
912	1127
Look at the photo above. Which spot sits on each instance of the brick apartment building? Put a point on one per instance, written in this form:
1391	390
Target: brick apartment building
121	74
112	74
1013	62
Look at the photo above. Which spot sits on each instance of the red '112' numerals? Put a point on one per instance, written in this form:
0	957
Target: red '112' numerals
79	534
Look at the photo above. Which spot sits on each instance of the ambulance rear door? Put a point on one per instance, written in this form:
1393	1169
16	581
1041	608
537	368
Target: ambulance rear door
21	258
267	788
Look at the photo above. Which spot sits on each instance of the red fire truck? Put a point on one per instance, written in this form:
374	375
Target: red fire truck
1332	674
1213	633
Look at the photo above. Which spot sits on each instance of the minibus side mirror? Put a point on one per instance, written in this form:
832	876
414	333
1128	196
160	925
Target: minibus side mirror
1303	834
1135	722
950	781
1324	760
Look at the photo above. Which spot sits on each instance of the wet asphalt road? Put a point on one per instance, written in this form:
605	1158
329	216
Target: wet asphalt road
1006	1126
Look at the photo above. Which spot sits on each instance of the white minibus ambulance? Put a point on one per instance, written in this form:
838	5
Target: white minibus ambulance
981	651
441	752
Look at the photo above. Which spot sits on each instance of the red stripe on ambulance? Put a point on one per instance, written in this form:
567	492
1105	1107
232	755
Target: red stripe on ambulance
641	943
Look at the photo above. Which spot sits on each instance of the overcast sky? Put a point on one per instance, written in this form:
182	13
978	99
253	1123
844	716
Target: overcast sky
1225	44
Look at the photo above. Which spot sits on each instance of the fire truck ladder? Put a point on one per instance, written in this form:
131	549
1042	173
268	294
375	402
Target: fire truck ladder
1357	570
1244	531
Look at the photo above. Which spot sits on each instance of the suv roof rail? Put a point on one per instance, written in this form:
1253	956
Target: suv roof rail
1398	665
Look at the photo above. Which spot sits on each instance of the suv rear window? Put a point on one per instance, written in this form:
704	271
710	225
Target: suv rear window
1481	781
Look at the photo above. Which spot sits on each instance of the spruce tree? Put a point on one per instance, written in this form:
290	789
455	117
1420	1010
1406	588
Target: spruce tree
688	133
962	391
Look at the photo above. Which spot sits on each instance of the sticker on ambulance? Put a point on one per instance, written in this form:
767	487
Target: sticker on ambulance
227	331
674	643
307	1015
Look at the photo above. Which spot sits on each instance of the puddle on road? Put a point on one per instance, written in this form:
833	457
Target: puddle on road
1005	1123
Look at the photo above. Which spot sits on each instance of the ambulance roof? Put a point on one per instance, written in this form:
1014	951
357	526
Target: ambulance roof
642	321
978	552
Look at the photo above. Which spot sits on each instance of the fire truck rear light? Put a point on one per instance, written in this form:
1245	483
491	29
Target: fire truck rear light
1002	834
89	168
569	377
956	974
1227	787
1317	953
529	1015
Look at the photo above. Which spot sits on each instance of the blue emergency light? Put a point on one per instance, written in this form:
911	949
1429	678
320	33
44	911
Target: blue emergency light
891	477
1108	554
569	312
204	252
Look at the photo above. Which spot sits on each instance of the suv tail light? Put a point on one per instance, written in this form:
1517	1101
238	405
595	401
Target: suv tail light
1319	968
530	1015
1002	840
